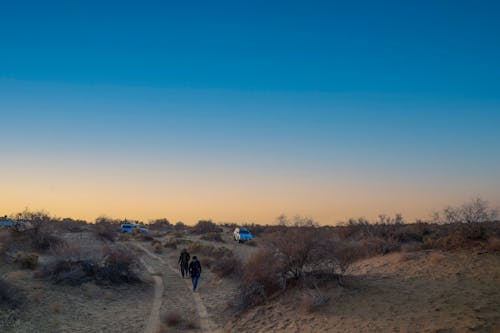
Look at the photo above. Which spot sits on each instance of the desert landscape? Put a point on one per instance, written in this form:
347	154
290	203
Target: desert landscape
249	166
296	276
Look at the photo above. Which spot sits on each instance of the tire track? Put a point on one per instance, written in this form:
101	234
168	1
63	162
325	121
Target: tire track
206	324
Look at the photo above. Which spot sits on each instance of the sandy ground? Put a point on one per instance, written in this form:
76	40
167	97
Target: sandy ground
87	308
420	292
402	292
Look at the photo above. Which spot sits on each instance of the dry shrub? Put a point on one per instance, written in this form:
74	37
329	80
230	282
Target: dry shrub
191	325
55	307
205	227
493	244
406	256
43	240
312	300
171	243
156	244
172	319
213	237
261	269
27	260
226	265
10	295
107	231
114	267
251	243
411	247
436	257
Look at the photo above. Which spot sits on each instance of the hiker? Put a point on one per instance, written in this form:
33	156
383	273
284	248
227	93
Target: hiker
184	262
195	271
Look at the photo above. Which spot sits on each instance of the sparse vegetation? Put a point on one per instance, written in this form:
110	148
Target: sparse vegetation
10	295
213	237
114	267
313	299
27	260
205	227
174	319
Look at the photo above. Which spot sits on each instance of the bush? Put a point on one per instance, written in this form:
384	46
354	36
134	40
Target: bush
171	243
106	230
204	227
115	267
493	244
43	240
27	260
226	265
156	244
175	319
10	295
172	319
213	237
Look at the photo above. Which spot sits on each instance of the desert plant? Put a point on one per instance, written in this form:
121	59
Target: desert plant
106	230
10	295
204	227
172	319
115	266
213	237
27	260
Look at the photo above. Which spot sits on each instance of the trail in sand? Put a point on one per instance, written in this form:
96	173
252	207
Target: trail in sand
206	324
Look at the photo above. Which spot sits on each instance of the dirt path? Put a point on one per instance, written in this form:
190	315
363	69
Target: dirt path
173	284
153	324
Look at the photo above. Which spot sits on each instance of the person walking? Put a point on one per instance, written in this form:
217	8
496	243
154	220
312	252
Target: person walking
184	262
195	272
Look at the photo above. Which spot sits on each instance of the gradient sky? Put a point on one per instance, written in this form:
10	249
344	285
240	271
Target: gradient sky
242	110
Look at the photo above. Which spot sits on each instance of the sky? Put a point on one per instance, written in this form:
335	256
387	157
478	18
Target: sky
239	111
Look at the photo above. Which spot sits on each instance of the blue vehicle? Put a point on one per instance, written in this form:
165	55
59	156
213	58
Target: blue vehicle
242	235
129	227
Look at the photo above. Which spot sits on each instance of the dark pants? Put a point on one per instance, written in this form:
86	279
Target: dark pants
195	279
184	268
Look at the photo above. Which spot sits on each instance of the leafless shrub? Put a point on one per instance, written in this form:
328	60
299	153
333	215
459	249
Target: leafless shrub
10	295
27	260
160	225
436	257
43	240
113	266
213	237
493	244
180	226
475	211
172	319
411	247
204	227
55	307
226	265
106	230
156	244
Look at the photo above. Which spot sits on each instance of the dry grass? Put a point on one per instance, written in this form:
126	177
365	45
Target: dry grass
27	260
493	244
172	319
109	265
10	295
436	257
55	307
312	300
213	237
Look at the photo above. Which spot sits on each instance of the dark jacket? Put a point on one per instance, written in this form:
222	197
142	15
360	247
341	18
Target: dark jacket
184	258
195	268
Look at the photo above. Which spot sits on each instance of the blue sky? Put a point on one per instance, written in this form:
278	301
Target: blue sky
401	97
